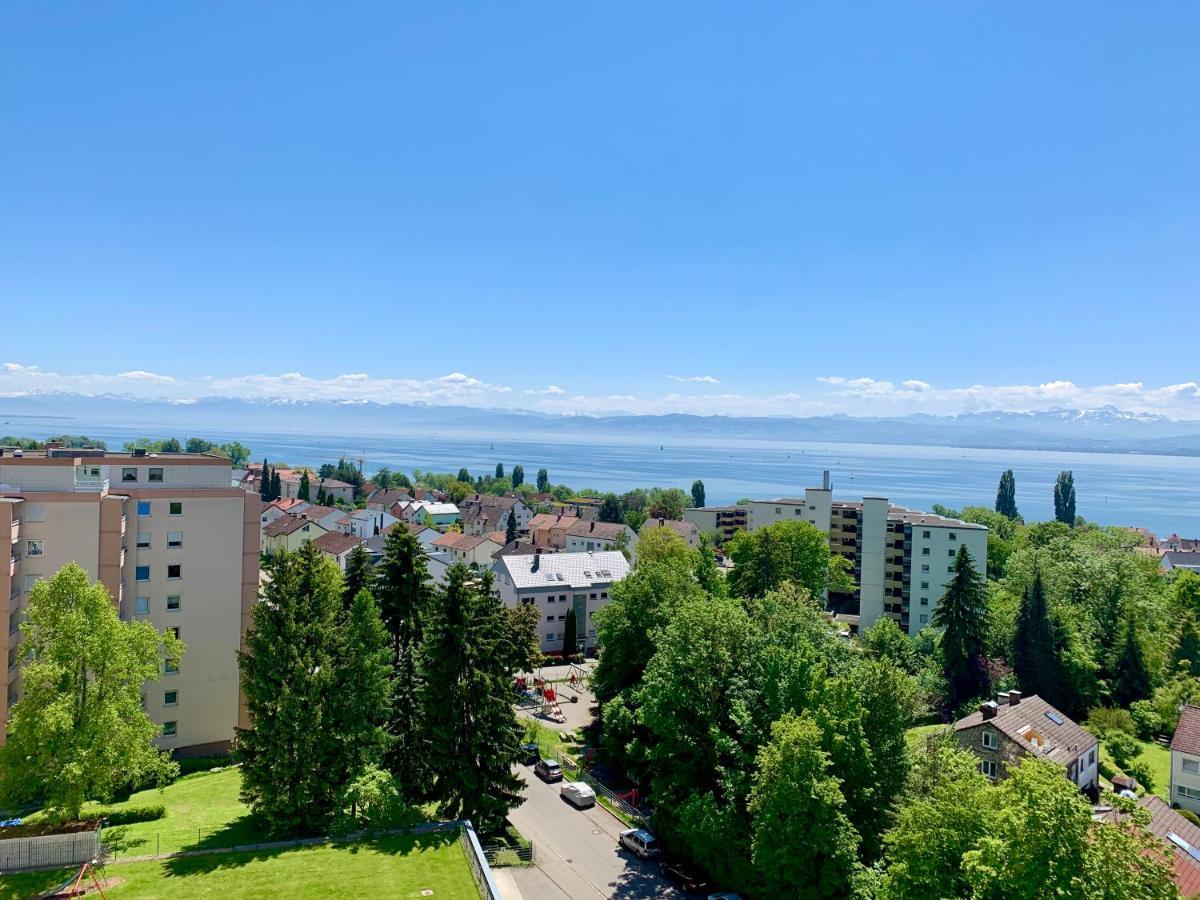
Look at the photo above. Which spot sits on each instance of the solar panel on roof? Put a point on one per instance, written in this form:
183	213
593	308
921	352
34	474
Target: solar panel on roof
1054	717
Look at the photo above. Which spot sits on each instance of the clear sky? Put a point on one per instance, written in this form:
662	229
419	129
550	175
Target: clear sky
929	205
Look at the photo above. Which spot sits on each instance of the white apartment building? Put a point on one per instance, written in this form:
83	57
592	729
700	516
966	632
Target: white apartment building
172	542
556	582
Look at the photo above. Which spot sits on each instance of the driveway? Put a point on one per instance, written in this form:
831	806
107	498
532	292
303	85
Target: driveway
576	851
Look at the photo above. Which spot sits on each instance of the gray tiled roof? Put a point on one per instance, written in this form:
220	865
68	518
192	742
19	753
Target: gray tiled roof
574	570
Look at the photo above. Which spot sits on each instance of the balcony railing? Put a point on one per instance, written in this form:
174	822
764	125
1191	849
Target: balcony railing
91	485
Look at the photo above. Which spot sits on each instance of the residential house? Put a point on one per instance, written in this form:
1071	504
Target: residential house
548	531
1004	730
289	483
425	510
381	498
556	582
685	529
1185	760
1187	560
337	546
328	517
467	548
481	513
366	523
288	533
1175	542
518	548
276	508
585	536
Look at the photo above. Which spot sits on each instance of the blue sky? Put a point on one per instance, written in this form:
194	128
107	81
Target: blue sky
935	205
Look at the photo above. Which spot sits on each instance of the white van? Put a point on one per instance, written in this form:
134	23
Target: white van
578	794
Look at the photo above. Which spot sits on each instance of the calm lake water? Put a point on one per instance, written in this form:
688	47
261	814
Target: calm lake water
1161	493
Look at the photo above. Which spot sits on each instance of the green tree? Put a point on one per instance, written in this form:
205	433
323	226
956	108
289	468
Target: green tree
238	453
803	844
510	527
383	478
963	617
543	481
1034	657
264	486
464	476
524	643
1185	654
1132	680
302	493
322	497
697	493
294	764
359	575
78	732
276	485
466	703
610	509
570	638
1006	495
359	703
666	503
1064	498
786	551
171	445
499	471
199	445
518	476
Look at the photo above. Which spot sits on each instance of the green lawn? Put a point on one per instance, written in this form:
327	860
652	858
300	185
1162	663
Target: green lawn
915	737
1159	758
390	867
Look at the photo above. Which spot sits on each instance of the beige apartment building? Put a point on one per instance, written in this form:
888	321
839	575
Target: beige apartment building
174	544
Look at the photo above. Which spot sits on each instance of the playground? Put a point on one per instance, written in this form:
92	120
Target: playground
558	697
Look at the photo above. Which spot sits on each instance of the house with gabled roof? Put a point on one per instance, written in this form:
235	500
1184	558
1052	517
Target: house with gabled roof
470	549
287	533
584	536
1185	759
1004	730
337	546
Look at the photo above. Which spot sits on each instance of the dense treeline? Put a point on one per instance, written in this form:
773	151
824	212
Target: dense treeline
67	440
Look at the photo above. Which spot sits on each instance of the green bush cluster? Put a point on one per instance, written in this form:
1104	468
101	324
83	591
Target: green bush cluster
128	815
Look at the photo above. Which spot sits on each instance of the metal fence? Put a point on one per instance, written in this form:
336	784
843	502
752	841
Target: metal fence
501	855
576	773
477	861
49	851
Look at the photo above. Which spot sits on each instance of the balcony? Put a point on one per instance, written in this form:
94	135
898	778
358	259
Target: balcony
90	484
16	530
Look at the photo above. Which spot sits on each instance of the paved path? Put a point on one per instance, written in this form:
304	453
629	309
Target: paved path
576	852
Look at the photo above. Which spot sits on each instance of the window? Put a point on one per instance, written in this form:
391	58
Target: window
34	548
169	729
924	585
174	629
924	551
173	602
33	512
143	507
141	606
953	536
30	581
950	553
550	618
924	601
988	767
175	570
549	635
949	570
155	475
924	567
990	741
170	698
924	619
174	539
142	573
1190	793
1092	757
560	618
170	668
129	474
778	511
1191	767
176	508
143	540
925	534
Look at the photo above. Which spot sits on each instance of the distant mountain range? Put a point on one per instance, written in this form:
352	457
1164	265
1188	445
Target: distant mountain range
1098	430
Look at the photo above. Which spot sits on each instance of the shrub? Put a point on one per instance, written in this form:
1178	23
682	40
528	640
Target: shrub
1189	815
1146	721
1140	770
1104	720
192	764
1122	748
127	815
373	801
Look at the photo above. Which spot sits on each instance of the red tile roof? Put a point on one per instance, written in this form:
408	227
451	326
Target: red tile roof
1164	822
335	543
1187	733
453	540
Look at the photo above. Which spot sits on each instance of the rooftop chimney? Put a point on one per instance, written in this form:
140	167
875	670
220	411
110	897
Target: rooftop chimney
1014	697
988	710
825	480
537	561
1002	698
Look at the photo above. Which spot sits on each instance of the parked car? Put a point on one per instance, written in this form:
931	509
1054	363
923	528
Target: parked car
578	794
548	770
684	877
640	842
530	753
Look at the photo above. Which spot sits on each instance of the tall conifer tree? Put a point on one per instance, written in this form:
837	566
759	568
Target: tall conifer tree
962	614
1006	495
1033	650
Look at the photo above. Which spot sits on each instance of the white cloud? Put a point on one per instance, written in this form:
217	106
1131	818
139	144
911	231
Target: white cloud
696	379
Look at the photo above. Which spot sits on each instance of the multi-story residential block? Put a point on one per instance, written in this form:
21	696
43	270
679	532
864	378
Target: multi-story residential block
556	582
902	560
722	521
484	513
1185	760
1004	730
173	542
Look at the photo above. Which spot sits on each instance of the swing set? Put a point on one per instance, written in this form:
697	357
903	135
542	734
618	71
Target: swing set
77	885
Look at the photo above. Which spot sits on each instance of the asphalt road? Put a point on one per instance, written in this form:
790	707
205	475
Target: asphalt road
576	851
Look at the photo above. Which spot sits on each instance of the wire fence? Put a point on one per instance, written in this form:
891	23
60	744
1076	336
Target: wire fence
501	855
619	803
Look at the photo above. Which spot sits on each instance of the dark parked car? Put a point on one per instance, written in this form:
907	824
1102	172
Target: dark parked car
548	770
530	753
685	877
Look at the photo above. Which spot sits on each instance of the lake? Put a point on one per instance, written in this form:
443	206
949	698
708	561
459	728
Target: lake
1161	493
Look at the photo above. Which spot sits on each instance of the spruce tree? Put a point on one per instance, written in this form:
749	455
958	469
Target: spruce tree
518	476
276	484
510	527
499	470
289	679
697	493
570	636
264	483
1034	659
1132	681
1064	497
383	478
962	616
359	575
466	703
322	497
303	492
404	593
361	696
464	476
543	481
1006	495
1185	655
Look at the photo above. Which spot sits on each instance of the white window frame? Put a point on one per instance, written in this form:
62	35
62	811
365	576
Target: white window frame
31	544
990	740
179	603
990	768
1195	766
174	540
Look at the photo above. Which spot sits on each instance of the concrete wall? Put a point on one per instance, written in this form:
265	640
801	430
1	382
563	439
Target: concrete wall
942	544
871	538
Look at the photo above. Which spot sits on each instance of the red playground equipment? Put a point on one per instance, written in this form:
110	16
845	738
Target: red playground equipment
76	886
